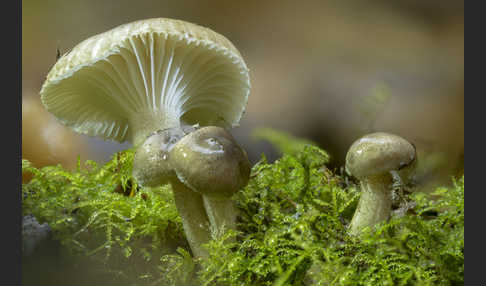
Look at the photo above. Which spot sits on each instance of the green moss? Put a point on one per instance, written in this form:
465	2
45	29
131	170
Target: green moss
101	212
291	227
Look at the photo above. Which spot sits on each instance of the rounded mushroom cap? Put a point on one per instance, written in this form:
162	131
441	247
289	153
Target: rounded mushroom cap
148	75
150	162
210	161
379	153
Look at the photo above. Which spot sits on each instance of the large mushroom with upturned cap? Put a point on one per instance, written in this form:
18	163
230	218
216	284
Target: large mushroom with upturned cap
152	82
376	159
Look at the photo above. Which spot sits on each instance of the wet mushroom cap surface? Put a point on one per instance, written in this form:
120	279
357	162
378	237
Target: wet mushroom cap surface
146	75
210	161
150	162
378	153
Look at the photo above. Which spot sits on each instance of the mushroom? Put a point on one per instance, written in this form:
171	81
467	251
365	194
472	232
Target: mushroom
210	162
152	82
376	160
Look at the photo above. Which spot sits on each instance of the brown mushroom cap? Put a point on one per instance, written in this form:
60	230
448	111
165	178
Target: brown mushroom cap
210	161
378	153
145	76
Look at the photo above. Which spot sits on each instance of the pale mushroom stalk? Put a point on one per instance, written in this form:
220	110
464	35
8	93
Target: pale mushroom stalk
146	123
374	205
194	218
221	212
376	159
148	82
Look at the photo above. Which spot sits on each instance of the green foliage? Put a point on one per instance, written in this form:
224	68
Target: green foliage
416	249
287	212
291	227
293	232
101	212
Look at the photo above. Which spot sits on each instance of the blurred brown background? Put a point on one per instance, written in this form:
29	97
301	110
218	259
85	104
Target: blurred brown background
329	71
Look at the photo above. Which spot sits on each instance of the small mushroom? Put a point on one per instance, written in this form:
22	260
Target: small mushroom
210	162
150	82
376	160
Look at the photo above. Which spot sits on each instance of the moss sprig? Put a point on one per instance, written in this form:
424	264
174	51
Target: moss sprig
292	227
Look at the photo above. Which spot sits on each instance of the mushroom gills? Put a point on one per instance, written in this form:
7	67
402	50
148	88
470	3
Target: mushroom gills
160	78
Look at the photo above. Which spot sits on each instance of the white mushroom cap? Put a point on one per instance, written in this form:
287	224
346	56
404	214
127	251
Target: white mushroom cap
145	76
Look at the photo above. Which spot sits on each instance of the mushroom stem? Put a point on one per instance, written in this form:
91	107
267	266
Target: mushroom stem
221	212
194	219
148	122
374	205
